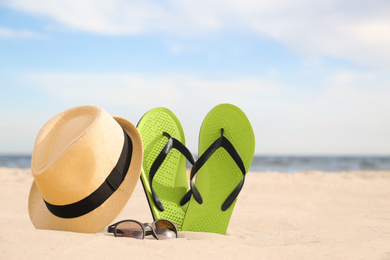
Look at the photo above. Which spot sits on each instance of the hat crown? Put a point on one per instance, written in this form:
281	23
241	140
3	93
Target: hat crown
74	153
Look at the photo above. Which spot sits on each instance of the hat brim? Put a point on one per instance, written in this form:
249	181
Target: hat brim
102	216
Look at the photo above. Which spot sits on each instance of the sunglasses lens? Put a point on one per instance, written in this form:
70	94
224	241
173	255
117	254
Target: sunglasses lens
165	229
129	229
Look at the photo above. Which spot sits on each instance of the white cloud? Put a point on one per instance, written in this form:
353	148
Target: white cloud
341	117
112	89
12	33
358	31
148	90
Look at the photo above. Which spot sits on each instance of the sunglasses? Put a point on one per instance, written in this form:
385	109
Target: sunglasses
160	229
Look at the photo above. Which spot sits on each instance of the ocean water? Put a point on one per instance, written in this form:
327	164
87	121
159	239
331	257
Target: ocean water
15	161
326	163
280	163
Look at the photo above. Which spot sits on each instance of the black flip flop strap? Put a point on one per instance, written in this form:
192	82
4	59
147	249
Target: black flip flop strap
172	143
222	141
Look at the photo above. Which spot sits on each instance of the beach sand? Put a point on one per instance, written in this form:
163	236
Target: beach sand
311	215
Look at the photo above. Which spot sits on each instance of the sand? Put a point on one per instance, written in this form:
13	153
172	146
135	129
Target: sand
311	215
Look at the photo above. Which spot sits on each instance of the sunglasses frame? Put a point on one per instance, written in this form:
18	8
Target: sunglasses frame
152	231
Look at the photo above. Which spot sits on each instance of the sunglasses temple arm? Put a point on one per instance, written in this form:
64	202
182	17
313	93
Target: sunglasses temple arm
111	229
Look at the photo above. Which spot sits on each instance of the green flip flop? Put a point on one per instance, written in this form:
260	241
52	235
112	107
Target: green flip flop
163	173
226	149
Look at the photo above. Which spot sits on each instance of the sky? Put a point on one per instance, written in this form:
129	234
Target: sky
313	77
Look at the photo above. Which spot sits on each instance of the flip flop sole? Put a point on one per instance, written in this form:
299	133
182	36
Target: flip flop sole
170	181
220	174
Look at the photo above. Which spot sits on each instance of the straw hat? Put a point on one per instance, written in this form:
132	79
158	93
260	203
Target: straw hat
86	165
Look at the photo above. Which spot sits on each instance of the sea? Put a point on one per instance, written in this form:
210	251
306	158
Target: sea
279	163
